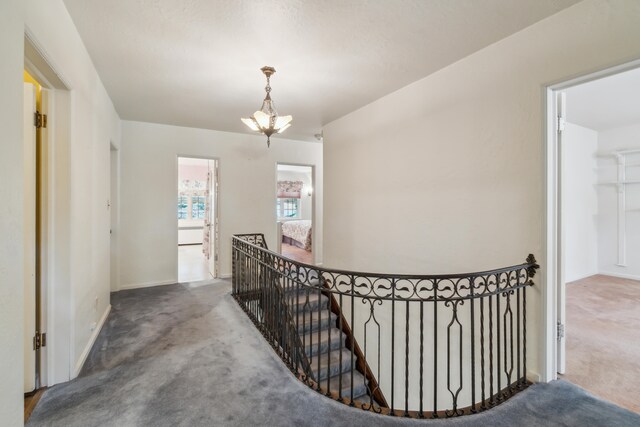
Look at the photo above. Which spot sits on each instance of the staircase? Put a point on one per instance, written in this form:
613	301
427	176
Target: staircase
333	364
295	307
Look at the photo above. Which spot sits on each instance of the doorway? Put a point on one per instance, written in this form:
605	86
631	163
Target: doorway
295	211
593	233
36	222
197	219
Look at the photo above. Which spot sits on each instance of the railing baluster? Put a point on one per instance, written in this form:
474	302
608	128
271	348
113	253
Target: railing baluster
406	360
340	328
421	415
435	348
352	337
473	344
393	344
498	373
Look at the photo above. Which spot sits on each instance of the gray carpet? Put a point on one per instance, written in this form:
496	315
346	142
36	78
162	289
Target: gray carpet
182	355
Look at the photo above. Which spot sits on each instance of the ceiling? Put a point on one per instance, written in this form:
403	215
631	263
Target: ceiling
197	63
606	103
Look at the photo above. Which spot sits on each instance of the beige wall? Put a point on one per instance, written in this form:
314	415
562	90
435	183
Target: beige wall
94	126
247	169
11	212
93	123
447	174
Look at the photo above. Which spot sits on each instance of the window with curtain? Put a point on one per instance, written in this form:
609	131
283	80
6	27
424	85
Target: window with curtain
288	199
288	208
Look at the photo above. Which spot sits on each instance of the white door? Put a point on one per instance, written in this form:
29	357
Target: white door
212	221
561	103
29	237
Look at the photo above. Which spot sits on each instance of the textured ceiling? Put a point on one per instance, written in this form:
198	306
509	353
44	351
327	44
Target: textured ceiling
606	103
196	62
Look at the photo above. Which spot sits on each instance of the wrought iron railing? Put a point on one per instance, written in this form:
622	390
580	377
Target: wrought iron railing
432	345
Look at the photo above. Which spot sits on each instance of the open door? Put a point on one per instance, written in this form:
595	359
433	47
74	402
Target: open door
561	103
29	237
212	217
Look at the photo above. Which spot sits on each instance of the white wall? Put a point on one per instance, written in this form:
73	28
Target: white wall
447	174
580	201
11	213
247	171
95	125
627	137
306	201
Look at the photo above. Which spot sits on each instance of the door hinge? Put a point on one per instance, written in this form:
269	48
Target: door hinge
40	120
560	331
561	124
39	340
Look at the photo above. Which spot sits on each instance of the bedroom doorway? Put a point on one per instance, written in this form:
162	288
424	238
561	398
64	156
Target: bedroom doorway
295	202
593	232
197	219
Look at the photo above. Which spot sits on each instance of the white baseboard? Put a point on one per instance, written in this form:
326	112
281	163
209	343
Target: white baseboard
534	377
225	276
147	284
92	340
620	275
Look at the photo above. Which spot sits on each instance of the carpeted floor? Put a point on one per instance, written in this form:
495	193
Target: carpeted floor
603	338
179	355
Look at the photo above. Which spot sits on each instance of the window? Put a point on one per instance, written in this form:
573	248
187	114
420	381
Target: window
183	207
288	208
197	207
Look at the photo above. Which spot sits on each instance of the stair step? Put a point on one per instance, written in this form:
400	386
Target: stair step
308	322
359	386
299	302
330	364
310	341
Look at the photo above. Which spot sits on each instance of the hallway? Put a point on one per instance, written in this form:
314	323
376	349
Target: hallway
182	355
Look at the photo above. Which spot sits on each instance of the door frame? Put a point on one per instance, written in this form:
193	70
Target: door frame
553	269
55	292
215	213
314	240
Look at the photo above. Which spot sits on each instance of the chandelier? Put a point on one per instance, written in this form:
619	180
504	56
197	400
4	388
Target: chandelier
266	119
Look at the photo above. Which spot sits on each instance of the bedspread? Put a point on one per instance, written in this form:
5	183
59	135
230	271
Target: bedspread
298	230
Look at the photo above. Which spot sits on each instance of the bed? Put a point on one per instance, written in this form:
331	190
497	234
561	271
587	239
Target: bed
297	233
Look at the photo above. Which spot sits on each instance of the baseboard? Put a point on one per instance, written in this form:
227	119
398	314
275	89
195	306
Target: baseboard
147	284
92	340
534	377
225	276
620	275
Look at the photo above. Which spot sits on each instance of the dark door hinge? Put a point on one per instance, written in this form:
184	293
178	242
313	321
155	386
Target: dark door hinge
39	340
40	120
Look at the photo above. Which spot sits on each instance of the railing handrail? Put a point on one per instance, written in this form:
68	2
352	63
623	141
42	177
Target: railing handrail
531	266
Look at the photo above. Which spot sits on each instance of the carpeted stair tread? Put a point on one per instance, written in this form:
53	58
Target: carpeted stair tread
331	365
311	321
299	302
359	387
310	341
